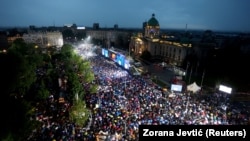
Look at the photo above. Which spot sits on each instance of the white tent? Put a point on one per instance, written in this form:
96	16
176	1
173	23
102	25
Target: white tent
193	87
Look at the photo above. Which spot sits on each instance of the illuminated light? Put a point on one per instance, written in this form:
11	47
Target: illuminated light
103	52
175	87
60	42
85	48
119	62
106	53
113	56
225	89
81	28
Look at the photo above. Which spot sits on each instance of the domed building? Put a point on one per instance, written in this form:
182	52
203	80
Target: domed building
152	27
158	44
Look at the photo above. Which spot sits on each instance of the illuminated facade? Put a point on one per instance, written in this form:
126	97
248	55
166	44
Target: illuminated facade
44	39
158	45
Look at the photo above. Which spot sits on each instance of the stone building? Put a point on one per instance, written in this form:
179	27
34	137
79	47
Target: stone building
158	44
44	39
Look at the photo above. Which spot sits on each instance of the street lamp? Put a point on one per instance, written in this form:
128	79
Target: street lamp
186	70
190	75
202	78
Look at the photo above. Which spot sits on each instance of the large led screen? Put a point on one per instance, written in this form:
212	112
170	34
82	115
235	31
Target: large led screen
106	53
225	89
120	59
126	64
177	88
113	56
103	51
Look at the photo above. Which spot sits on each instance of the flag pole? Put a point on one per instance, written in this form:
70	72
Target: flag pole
186	70
190	74
202	78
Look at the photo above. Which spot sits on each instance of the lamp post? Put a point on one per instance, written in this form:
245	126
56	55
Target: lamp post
186	107
202	78
190	75
186	70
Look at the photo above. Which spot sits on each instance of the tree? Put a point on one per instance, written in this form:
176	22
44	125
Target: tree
26	65
22	86
67	51
42	92
17	76
75	86
79	114
80	76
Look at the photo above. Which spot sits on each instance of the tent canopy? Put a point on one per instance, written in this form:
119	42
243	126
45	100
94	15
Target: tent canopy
193	87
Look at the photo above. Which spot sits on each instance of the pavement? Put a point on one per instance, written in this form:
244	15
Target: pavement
163	74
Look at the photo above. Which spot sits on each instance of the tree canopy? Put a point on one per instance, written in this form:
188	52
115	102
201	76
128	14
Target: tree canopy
29	76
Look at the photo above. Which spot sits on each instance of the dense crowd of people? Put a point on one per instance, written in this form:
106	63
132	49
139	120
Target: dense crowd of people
123	102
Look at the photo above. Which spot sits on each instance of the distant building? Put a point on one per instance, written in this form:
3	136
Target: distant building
12	38
109	37
152	28
3	41
96	26
159	45
14	34
116	26
73	25
44	39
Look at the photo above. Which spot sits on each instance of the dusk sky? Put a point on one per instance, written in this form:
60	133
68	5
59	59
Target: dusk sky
230	15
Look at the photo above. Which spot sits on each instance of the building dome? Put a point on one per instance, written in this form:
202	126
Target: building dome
153	21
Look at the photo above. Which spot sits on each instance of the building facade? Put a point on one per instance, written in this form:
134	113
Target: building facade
44	39
158	44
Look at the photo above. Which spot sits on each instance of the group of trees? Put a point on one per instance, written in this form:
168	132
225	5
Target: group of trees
29	76
80	81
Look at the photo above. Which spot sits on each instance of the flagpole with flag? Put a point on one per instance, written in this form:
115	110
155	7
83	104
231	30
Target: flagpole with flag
186	70
202	78
190	75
